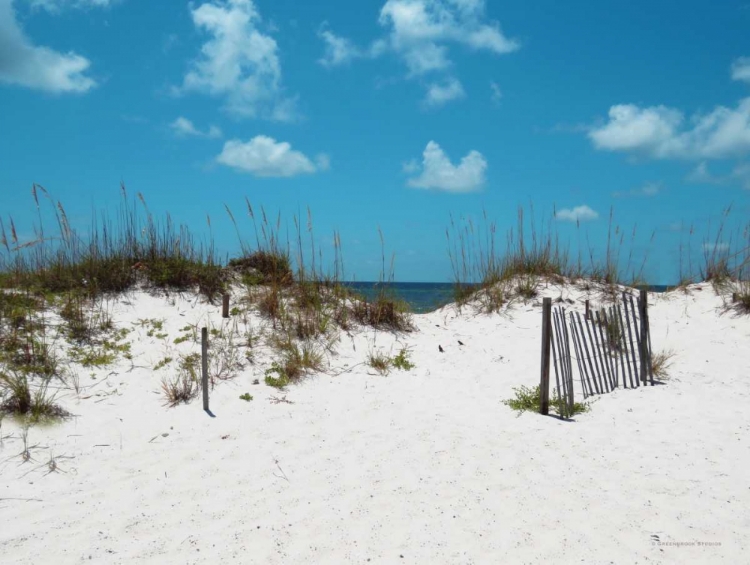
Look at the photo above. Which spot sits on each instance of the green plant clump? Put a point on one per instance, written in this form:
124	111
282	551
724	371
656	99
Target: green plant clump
530	400
279	381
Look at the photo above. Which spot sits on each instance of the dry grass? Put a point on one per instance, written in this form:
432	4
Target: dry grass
489	277
661	363
23	399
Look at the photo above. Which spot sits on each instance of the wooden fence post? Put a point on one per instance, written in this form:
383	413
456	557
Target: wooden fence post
643	313
588	313
225	306
204	366
735	297
546	335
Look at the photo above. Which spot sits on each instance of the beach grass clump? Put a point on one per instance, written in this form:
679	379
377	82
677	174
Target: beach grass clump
661	363
264	266
383	363
379	361
180	389
530	400
384	312
183	387
115	254
527	286
299	359
21	398
532	255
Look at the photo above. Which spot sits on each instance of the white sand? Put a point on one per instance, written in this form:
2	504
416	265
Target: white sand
426	466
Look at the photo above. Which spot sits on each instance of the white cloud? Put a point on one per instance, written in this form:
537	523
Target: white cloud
323	162
438	173
182	127
660	132
716	247
740	174
25	64
339	50
56	6
648	189
265	157
578	214
420	32
741	69
239	62
497	94
439	94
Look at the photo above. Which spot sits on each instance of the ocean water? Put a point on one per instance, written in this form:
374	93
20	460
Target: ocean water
421	297
424	297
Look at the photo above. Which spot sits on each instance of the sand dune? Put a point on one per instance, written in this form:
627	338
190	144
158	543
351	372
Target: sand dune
420	466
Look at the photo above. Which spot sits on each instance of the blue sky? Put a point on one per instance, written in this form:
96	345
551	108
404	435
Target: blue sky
391	114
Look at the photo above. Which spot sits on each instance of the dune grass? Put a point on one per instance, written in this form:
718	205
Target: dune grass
530	400
493	276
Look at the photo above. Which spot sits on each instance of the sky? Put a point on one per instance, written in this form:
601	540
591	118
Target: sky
390	115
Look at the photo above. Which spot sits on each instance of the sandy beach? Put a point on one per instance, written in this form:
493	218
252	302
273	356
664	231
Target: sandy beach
419	466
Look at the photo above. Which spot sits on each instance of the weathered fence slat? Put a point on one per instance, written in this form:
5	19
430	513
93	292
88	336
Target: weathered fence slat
597	360
596	327
558	351
638	338
546	337
645	337
571	396
630	335
587	356
608	347
624	345
567	375
555	344
613	317
605	351
587	390
204	366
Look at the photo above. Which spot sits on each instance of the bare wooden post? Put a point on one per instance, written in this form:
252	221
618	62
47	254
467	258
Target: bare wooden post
588	313
225	306
546	334
643	344
735	297
204	366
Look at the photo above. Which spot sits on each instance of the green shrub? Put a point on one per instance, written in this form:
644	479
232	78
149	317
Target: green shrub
530	400
281	380
402	362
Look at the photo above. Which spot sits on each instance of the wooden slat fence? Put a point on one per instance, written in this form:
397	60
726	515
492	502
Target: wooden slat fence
611	349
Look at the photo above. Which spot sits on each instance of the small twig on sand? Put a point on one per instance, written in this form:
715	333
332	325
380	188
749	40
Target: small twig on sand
345	370
283	474
277	400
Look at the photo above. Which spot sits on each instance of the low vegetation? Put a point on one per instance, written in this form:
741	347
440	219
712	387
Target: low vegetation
185	385
660	364
530	400
383	363
33	402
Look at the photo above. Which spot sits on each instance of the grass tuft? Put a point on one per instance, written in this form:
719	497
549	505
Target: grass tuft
530	400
